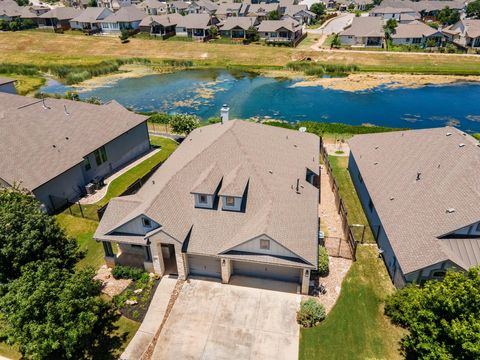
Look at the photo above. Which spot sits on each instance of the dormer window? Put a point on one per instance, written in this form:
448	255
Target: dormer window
146	223
202	199
229	201
264	244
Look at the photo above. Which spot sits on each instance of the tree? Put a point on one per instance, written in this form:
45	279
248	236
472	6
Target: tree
29	234
124	35
448	16
390	27
336	43
443	317
473	9
318	9
53	313
273	15
184	123
92	3
252	34
311	313
213	31
22	2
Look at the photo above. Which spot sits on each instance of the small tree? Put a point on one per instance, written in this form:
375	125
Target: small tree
448	16
213	31
273	15
431	43
92	3
124	35
184	123
318	9
311	313
336	43
473	9
323	261
443	317
252	34
390	27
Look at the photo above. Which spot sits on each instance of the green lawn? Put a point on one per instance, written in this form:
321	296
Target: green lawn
349	196
9	351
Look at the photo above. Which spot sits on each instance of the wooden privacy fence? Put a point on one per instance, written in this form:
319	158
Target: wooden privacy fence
342	211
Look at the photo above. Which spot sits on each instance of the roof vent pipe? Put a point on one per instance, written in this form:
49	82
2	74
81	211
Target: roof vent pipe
298	186
418	175
224	113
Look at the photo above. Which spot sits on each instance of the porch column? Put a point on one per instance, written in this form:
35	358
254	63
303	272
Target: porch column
157	258
226	270
147	259
110	256
305	281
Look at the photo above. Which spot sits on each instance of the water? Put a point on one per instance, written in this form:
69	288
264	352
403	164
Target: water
202	92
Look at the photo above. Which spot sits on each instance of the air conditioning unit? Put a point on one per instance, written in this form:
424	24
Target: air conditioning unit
90	188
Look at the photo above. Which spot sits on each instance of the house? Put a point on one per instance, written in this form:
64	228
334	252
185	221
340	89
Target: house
202	7
54	147
126	18
153	7
237	27
389	12
7	85
222	204
9	10
420	192
427	9
300	13
261	11
228	9
364	31
416	33
178	6
114	5
196	26
89	19
160	25
280	31
57	18
465	33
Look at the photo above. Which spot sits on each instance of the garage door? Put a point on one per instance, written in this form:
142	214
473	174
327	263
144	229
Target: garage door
204	266
281	273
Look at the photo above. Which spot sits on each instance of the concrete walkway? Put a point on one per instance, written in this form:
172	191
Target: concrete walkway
150	325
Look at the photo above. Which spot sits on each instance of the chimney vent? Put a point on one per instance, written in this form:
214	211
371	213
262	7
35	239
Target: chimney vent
224	113
298	186
418	175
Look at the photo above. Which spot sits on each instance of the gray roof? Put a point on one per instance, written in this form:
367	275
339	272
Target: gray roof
40	141
227	7
179	5
239	21
415	29
91	14
414	213
125	14
262	9
365	26
295	9
152	4
269	159
164	20
195	21
274	25
10	8
468	27
61	13
423	5
207	4
4	80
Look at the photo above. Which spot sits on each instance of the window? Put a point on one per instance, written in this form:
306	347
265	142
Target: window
264	244
229	201
86	163
478	227
202	199
370	205
440	274
416	40
146	222
100	155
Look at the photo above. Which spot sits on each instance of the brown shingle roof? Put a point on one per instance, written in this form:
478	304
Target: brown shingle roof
365	26
39	141
4	80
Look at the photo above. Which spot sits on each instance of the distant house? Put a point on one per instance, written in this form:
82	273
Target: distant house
228	9
179	7
420	192
223	205
90	19
282	31
261	11
9	10
389	12
202	7
364	31
236	27
57	18
426	9
114	4
7	85
416	33
465	33
126	18
153	7
160	25
196	26
300	13
55	147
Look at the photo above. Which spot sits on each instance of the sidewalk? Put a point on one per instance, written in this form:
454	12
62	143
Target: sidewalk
156	311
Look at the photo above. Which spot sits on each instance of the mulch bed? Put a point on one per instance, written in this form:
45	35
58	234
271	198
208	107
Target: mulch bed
138	311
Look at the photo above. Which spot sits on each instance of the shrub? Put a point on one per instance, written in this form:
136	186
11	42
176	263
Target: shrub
322	261
311	313
127	272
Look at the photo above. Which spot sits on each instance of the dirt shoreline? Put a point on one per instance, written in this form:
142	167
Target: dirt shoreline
369	81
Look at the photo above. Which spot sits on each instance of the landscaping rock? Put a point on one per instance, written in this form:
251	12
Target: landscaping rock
131	302
138	291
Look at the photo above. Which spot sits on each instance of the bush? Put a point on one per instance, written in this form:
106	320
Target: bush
127	272
322	261
311	313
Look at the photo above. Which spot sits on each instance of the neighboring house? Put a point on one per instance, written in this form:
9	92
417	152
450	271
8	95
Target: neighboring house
465	33
261	11
114	4
202	7
89	19
420	192
389	12
427	9
415	33
283	31
364	31
153	7
54	147
236	27
343	5
179	7
408	18
300	13
222	204
7	85
57	18
9	10
228	9
196	26
126	18
160	25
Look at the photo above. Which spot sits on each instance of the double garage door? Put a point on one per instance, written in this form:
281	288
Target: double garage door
281	273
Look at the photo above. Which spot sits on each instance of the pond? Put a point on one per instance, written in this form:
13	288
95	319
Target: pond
202	92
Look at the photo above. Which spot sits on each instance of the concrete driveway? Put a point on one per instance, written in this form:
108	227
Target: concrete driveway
214	321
